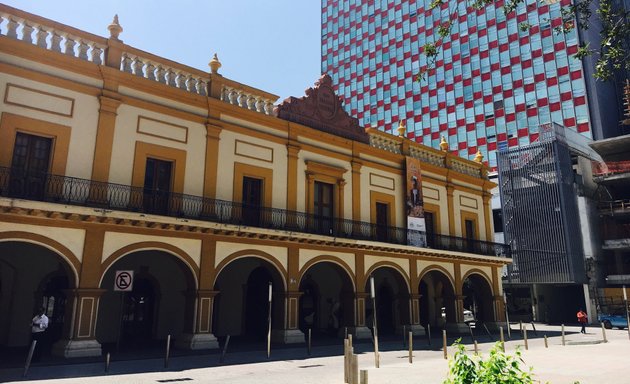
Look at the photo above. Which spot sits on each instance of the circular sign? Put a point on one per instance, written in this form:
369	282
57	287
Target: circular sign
123	280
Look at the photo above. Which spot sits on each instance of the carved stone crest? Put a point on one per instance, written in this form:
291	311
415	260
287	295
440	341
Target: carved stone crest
322	109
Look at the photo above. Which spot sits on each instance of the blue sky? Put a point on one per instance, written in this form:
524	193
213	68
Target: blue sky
273	45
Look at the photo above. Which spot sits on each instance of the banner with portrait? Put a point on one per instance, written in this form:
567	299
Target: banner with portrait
416	226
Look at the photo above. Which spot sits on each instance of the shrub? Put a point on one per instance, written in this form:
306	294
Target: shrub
499	368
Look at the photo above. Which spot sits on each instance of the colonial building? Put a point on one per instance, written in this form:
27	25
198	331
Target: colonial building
203	190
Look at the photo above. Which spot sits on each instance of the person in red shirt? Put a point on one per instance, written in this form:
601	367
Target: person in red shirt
582	319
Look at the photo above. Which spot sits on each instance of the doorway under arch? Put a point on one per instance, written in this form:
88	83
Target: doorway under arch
436	292
32	276
158	305
327	301
392	301
241	307
478	297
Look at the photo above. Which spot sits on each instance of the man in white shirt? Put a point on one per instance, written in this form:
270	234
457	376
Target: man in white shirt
38	326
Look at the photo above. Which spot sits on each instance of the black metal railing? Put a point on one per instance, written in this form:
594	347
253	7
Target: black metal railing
88	193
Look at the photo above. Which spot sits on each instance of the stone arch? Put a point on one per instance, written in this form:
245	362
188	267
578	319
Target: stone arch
331	259
61	250
439	268
150	246
388	264
437	297
476	271
252	253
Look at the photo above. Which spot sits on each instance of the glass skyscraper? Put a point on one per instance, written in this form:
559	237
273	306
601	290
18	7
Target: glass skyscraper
492	85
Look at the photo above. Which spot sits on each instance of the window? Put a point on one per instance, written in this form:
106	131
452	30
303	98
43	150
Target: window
30	165
323	207
157	185
252	200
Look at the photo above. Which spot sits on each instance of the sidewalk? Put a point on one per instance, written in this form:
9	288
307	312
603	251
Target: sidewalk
584	359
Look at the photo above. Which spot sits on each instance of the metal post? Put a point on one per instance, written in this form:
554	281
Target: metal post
346	361
625	302
502	339
404	334
444	344
563	340
309	341
120	324
355	369
507	318
373	294
525	338
488	331
29	357
603	334
472	337
225	347
520	326
546	343
168	350
345	333
364	376
269	323
410	347
476	348
534	328
429	333
350	340
107	359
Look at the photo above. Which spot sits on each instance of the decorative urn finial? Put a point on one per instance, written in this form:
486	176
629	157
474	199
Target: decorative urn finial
402	129
114	28
214	64
443	144
478	157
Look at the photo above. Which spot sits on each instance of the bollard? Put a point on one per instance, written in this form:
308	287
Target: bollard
309	341
107	362
355	369
563	340
476	348
603	333
410	347
444	343
225	347
546	343
29	357
502	339
168	350
429	333
364	376
525	338
346	361
350	340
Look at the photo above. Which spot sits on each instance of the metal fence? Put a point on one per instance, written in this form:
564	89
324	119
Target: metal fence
104	195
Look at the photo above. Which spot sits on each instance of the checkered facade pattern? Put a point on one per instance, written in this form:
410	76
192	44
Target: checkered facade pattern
492	85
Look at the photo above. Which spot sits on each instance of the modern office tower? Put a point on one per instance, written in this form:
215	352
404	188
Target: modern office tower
493	84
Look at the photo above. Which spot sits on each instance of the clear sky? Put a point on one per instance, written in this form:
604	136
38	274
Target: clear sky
273	45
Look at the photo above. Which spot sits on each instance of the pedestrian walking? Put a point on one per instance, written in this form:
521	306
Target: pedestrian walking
39	324
582	319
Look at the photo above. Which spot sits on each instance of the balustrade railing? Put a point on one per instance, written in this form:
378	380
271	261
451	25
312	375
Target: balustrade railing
88	193
45	34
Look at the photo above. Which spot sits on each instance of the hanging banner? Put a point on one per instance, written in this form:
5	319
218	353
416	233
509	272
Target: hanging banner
416	226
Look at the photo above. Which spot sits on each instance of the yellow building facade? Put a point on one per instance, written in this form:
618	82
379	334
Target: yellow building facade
209	192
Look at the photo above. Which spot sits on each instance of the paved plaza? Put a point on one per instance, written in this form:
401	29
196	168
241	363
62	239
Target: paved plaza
584	358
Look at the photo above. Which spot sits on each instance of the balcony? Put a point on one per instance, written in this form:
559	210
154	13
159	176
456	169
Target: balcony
88	193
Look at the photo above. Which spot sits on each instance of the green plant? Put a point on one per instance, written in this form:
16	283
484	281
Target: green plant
498	368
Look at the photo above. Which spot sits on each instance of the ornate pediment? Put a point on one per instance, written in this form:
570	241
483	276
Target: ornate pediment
322	109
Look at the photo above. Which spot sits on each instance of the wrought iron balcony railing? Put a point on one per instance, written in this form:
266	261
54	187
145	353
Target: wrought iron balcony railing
88	193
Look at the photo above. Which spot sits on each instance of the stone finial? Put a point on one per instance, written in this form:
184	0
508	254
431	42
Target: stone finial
114	28
214	64
478	157
443	144
402	129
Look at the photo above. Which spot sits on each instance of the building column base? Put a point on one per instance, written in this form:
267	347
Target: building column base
195	341
458	328
77	348
287	336
417	329
362	333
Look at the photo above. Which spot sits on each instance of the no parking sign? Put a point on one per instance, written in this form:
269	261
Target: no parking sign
123	281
